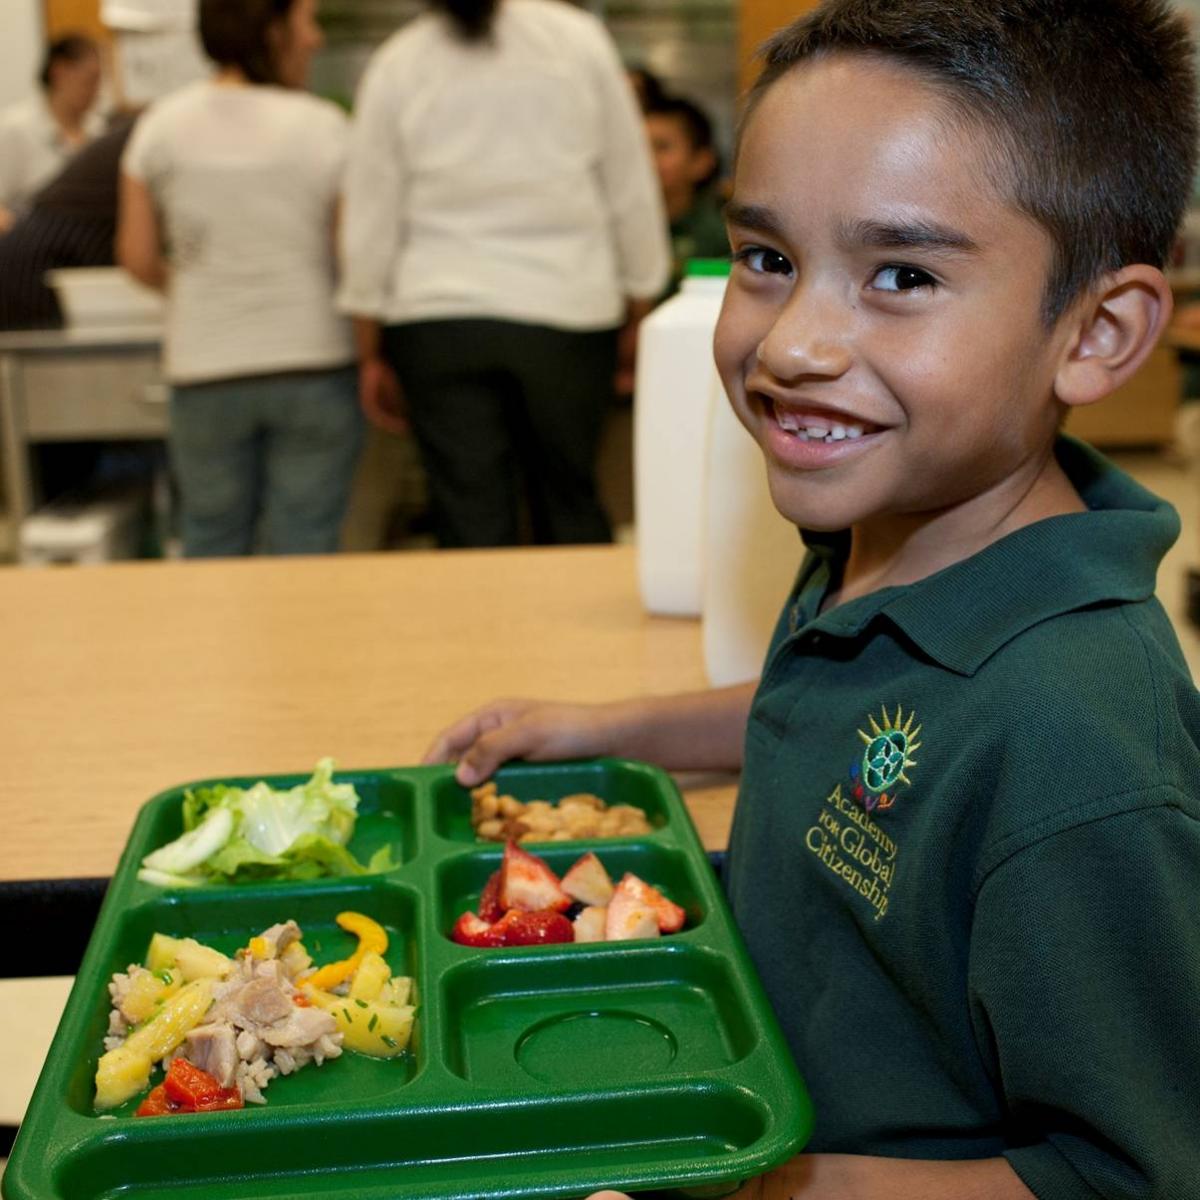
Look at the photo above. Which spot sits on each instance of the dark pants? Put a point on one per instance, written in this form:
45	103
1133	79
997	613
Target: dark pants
502	410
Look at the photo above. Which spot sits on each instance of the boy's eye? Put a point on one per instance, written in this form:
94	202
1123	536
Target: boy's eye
763	261
901	279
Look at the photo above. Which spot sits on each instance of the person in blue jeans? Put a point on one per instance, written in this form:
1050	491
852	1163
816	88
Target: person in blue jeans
270	457
228	196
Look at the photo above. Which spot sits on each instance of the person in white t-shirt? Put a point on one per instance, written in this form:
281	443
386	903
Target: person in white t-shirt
502	223
39	135
229	194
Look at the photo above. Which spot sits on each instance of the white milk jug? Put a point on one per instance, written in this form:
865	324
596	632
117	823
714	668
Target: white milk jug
750	552
672	392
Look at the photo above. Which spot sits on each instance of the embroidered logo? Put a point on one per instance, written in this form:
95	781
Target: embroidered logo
886	757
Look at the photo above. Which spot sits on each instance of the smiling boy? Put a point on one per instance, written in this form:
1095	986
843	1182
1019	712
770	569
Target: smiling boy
966	852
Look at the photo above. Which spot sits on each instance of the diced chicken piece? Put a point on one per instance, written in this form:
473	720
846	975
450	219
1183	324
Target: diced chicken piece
213	1048
272	969
262	1002
250	1046
302	1027
281	936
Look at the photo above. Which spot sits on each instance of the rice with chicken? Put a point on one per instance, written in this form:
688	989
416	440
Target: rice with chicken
259	1025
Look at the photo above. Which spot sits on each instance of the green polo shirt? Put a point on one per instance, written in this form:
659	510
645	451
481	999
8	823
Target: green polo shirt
966	854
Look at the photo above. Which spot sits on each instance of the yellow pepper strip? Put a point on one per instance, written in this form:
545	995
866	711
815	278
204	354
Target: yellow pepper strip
371	937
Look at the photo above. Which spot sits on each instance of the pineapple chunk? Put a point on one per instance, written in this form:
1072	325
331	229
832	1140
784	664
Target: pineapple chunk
125	1071
193	960
373	972
380	1030
147	992
120	1074
397	990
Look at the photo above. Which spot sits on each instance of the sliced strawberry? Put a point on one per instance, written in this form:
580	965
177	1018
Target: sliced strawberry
490	908
588	882
518	928
470	930
589	925
527	883
628	917
670	916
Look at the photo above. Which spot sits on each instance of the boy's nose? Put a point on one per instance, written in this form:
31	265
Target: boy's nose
807	337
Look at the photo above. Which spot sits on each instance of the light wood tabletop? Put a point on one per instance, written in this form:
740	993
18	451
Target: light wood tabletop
122	680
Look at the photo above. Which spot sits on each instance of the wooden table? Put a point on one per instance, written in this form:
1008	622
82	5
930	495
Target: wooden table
125	679
122	680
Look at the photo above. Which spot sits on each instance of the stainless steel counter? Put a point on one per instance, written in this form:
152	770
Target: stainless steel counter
73	384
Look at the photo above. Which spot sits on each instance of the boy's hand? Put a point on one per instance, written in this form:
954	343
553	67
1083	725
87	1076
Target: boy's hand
529	729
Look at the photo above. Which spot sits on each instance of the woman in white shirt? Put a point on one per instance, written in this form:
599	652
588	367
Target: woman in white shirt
502	220
39	135
228	200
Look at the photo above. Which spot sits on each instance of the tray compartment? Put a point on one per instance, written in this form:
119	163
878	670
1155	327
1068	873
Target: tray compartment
544	1146
226	918
614	782
460	879
603	1016
386	816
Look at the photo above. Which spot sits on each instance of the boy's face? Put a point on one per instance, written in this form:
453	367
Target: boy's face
680	165
885	297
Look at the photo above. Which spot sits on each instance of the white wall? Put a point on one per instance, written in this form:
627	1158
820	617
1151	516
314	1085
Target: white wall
20	48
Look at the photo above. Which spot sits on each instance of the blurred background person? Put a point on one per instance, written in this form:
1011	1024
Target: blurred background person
71	222
647	86
502	221
685	156
228	202
39	134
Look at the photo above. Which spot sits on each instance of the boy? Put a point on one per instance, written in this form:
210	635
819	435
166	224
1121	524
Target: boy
967	845
681	140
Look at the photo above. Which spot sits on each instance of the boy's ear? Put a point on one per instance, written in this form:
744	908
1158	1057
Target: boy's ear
1115	330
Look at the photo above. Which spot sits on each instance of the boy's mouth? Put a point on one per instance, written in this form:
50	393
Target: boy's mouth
817	425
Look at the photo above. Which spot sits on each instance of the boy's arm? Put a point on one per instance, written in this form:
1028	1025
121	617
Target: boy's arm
691	731
858	1177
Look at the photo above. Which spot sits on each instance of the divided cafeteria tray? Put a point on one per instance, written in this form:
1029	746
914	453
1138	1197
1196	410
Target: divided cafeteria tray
536	1071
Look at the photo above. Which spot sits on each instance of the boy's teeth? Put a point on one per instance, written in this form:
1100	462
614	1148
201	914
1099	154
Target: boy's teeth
816	433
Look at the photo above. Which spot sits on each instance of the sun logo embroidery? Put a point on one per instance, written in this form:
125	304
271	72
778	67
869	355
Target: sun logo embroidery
886	756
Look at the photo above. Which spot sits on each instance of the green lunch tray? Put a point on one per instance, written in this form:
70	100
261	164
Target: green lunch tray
537	1071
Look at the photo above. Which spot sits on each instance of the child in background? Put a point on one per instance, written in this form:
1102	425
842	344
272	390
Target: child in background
966	850
681	139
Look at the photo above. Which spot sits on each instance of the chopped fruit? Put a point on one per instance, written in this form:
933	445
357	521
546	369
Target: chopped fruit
670	916
588	881
533	928
490	908
528	884
629	916
589	925
470	930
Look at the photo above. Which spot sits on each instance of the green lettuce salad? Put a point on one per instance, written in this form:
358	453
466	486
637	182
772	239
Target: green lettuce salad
233	834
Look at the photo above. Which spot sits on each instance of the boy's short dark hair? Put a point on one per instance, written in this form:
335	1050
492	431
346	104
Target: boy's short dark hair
234	34
695	124
1092	104
691	117
71	48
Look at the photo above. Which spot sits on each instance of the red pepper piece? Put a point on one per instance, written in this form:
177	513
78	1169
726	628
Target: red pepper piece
157	1104
194	1090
